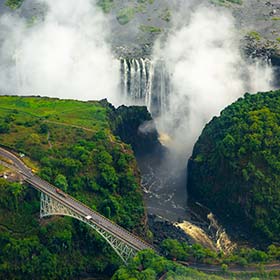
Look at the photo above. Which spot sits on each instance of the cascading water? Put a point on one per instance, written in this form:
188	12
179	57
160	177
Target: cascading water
136	80
261	73
160	88
144	82
147	82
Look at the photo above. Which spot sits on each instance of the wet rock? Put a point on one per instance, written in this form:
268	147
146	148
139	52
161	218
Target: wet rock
163	229
126	122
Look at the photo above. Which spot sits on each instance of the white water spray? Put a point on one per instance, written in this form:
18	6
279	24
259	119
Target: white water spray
64	55
207	73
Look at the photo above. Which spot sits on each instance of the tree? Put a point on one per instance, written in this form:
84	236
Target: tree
107	212
224	267
174	249
61	182
274	252
108	176
71	166
4	127
240	172
44	128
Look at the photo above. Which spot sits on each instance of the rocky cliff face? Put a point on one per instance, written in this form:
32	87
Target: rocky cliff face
70	144
234	166
136	24
135	126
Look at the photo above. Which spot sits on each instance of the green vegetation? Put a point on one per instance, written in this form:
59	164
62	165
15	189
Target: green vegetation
166	15
226	2
106	5
146	1
125	15
239	2
148	265
125	122
14	4
254	35
173	249
74	148
235	167
150	29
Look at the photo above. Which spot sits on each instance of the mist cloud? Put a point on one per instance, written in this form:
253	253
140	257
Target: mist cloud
64	55
207	72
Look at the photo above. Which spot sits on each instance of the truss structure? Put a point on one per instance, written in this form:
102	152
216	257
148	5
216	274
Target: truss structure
49	207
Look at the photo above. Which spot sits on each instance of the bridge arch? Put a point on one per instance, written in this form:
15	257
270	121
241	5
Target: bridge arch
52	207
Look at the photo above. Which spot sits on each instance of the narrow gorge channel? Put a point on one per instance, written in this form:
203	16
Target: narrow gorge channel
147	82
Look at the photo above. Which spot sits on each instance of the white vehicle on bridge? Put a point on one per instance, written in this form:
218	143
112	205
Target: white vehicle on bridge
88	217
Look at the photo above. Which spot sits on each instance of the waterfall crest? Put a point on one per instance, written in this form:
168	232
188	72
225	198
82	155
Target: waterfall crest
144	82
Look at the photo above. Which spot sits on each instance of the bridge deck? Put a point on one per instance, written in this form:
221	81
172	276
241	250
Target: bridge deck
73	204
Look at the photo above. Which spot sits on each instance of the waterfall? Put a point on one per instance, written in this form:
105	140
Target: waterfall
136	80
144	82
160	88
261	73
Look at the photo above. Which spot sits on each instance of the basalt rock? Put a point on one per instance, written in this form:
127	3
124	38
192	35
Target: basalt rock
135	126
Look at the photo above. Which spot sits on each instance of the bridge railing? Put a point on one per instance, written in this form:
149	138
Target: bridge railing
31	174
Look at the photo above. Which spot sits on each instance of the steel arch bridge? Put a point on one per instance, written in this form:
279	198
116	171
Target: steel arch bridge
56	202
50	207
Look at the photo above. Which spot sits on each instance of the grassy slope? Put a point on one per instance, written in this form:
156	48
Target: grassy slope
72	139
88	114
66	247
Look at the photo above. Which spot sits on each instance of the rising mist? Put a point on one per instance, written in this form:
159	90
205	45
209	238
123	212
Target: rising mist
66	54
207	70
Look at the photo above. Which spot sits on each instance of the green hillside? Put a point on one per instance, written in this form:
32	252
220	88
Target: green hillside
70	144
235	167
147	265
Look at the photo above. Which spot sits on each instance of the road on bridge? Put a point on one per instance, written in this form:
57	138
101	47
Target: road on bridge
16	164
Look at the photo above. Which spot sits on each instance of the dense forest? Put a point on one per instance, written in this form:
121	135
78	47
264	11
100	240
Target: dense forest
235	167
89	149
150	266
78	146
69	144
